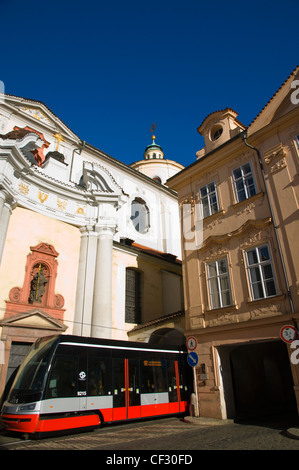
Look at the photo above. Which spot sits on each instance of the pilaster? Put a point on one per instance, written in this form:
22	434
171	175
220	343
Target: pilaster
6	207
85	281
102	300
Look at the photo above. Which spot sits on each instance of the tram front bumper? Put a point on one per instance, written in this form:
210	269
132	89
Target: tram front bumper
20	422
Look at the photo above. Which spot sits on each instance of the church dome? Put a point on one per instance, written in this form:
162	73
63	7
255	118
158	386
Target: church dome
153	151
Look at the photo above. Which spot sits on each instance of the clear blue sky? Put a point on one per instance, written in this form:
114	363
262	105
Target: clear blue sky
111	68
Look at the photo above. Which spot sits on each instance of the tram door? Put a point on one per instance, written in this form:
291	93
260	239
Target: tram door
126	392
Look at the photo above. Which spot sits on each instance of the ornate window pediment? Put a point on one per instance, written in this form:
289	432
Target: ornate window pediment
39	284
96	178
34	319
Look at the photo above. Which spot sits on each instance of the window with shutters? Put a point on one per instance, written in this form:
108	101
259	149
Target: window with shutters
133	296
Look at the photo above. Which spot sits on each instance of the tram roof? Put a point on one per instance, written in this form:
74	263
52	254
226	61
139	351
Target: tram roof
118	344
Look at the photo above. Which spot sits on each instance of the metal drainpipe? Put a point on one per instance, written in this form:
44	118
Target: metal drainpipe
244	136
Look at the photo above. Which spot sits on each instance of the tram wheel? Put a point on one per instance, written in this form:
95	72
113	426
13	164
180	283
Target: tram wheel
101	419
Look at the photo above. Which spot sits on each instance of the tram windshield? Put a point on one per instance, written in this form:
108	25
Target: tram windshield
29	381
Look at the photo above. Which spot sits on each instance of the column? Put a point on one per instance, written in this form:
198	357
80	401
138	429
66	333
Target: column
5	213
85	282
102	302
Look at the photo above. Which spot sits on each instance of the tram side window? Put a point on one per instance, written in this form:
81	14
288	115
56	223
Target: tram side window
98	376
63	378
153	376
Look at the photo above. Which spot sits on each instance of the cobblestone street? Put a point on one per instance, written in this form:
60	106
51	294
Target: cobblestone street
169	434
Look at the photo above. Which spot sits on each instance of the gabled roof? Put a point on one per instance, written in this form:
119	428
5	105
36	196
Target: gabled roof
268	111
21	103
48	112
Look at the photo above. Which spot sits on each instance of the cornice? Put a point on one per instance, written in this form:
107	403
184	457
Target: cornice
214	158
32	189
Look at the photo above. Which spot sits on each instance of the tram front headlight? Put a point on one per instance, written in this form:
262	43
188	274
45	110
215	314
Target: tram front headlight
30	407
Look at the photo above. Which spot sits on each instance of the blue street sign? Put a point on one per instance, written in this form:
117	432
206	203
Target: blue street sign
192	359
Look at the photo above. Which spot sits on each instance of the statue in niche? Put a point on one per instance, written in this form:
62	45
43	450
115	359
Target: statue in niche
38	285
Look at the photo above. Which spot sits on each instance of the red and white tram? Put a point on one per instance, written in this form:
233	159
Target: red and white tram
68	382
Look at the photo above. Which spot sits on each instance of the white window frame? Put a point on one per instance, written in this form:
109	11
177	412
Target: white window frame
297	140
218	278
208	197
244	178
259	266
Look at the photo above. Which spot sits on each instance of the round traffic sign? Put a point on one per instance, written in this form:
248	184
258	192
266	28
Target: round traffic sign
192	359
191	343
288	333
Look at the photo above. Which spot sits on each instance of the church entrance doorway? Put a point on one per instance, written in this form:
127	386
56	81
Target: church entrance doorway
18	352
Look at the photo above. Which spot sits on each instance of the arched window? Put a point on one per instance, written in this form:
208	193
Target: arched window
140	215
133	296
158	179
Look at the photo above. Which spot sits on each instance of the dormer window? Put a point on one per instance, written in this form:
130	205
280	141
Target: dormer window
216	132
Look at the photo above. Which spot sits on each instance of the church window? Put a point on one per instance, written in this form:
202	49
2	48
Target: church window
140	215
133	296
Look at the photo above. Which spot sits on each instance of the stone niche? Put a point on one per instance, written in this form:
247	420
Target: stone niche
38	289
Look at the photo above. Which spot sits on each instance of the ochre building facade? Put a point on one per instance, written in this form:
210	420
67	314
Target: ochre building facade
241	270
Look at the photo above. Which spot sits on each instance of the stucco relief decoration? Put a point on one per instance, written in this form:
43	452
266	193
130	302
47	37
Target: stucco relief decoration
81	210
61	204
267	311
42	196
215	251
214	223
36	114
39	284
24	188
38	153
222	319
258	201
253	237
276	158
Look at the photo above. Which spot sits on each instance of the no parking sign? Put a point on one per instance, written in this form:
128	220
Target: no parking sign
288	333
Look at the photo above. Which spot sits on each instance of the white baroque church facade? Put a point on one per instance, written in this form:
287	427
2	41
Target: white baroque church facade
88	245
